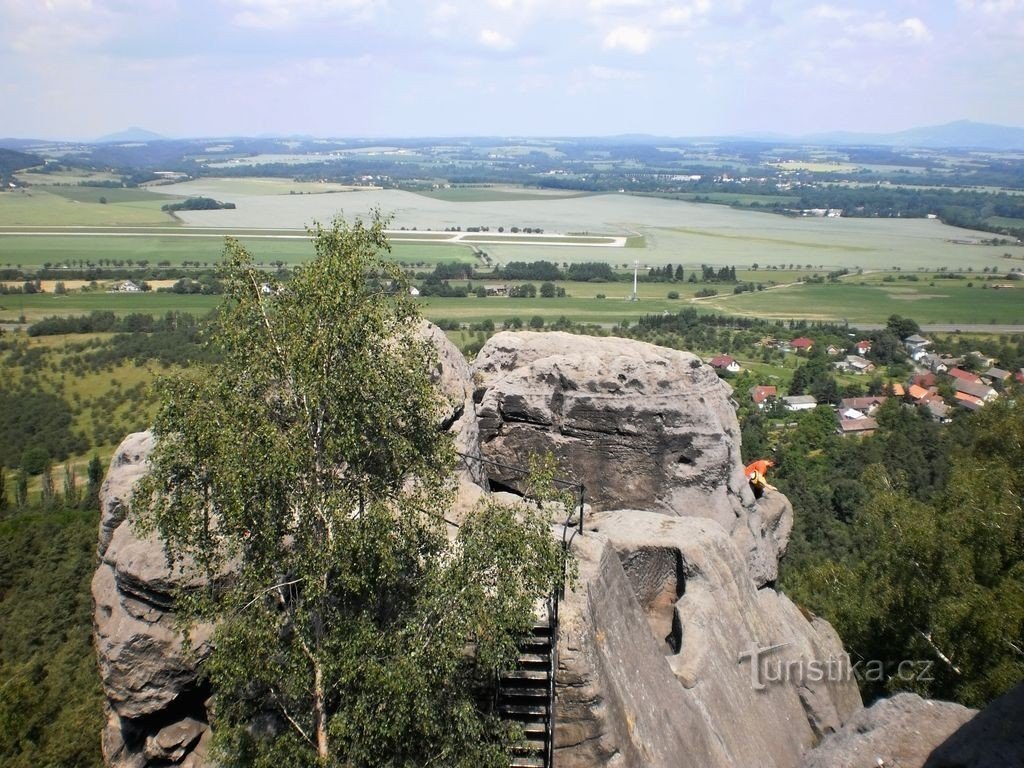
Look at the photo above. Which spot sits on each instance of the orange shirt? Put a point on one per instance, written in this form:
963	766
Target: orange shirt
760	466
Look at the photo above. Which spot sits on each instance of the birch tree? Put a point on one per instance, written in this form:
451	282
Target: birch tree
305	476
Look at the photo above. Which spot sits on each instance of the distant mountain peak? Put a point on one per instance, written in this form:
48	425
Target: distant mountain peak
955	134
130	134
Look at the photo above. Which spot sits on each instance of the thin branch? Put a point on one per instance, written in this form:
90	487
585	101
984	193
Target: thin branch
945	659
262	592
289	718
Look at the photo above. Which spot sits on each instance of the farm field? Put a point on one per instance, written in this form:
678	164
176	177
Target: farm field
62	206
202	246
480	193
670	231
37	306
946	301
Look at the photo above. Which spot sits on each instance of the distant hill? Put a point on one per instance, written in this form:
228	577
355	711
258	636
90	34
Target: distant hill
131	134
11	161
959	134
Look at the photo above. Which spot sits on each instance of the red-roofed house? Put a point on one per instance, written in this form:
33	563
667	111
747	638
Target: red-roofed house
760	394
862	347
803	343
897	389
920	394
924	380
970	402
960	373
725	363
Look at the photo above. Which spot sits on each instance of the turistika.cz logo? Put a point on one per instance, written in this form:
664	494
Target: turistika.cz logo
767	667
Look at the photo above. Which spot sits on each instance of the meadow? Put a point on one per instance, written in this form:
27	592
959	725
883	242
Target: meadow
32	250
928	301
674	231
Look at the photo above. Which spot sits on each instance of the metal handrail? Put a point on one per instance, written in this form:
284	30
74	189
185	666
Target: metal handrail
555	597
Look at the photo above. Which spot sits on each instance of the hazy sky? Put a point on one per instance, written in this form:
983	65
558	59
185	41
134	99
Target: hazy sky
83	68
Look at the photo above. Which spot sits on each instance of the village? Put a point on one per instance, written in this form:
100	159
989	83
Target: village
939	383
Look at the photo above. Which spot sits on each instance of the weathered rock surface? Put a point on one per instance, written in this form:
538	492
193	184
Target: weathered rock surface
650	670
910	732
655	664
898	731
643	427
156	708
147	676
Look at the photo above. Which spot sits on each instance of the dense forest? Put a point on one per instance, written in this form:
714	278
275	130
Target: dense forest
911	542
51	705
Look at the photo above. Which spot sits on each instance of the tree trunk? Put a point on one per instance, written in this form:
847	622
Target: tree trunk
320	712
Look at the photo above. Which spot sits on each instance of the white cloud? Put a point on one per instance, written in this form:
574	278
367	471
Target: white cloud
991	7
274	14
916	30
680	15
831	13
909	30
495	40
627	38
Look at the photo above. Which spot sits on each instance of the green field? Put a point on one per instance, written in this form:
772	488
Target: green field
943	301
60	206
191	245
37	306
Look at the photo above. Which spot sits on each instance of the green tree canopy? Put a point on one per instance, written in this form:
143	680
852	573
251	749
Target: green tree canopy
308	464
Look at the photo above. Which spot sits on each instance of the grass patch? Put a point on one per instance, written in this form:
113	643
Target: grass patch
947	302
40	207
37	306
204	246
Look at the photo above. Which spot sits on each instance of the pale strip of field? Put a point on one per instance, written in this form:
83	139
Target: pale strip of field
221	188
395	236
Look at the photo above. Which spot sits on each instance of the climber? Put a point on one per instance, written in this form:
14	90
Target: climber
756	473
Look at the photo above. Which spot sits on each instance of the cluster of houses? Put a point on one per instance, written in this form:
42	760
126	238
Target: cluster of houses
856	414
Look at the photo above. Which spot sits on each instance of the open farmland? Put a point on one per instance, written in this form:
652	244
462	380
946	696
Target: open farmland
675	231
35	307
69	206
937	301
37	247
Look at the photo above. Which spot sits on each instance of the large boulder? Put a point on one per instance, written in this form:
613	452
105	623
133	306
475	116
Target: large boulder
910	732
156	705
149	677
641	426
668	655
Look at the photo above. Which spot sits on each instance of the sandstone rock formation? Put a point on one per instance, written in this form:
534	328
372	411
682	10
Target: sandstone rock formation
155	709
667	598
643	427
898	731
910	732
655	654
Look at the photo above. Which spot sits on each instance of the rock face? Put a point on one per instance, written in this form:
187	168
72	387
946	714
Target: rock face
150	682
902	730
911	732
643	427
652	635
657	654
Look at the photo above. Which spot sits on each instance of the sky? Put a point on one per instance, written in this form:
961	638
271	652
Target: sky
79	69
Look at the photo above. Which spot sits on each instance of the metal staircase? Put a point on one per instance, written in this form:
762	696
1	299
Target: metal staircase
525	695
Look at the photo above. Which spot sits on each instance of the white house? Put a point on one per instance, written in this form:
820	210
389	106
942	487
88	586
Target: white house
800	403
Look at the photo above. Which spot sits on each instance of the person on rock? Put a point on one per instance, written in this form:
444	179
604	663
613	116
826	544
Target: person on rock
756	474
